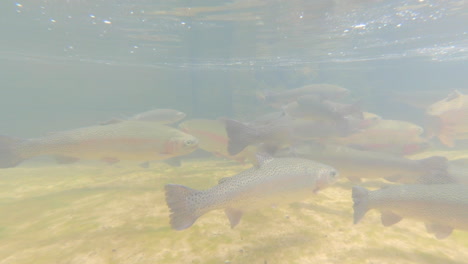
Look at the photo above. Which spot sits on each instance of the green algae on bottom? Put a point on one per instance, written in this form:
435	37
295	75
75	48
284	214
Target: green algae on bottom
84	213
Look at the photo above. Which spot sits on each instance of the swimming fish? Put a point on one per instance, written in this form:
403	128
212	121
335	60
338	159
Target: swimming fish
213	138
357	164
282	131
325	91
442	207
274	129
127	140
447	119
316	108
160	116
273	181
391	136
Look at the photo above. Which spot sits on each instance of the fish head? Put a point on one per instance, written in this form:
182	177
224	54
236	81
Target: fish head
451	102
325	177
181	145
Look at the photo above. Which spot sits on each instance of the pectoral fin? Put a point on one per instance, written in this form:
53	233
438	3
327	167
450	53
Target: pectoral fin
234	216
389	218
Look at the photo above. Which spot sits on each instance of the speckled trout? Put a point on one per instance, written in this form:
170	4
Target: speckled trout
126	140
357	164
273	181
442	207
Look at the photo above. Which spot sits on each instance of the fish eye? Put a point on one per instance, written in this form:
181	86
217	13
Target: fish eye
189	142
333	174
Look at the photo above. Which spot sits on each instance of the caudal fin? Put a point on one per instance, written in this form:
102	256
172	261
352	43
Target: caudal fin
361	202
240	136
183	212
9	155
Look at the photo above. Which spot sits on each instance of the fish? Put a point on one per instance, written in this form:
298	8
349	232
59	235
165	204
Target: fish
273	181
273	130
442	207
213	138
280	132
127	140
315	108
160	116
446	119
390	136
357	164
325	91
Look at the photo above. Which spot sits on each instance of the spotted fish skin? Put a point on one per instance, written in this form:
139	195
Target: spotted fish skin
277	180
443	207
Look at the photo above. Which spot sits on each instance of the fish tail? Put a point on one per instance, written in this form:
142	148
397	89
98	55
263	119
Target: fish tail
9	153
183	212
240	136
361	202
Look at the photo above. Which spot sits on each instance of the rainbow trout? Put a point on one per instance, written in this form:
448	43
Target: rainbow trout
126	140
442	207
275	180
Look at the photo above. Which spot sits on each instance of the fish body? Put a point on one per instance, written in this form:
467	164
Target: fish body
326	91
126	140
275	180
442	207
357	164
391	136
315	108
282	131
274	130
213	138
447	118
161	116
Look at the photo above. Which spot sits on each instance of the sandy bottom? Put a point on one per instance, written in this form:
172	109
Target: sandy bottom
89	213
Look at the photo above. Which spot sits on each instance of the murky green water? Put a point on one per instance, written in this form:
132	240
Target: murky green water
70	64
